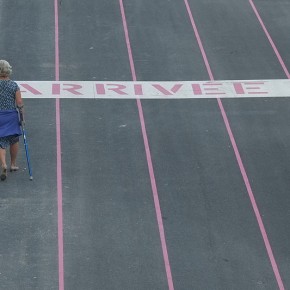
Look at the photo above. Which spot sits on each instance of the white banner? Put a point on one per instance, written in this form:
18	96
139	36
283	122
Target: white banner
155	90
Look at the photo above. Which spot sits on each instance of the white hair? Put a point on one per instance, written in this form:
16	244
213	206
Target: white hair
5	68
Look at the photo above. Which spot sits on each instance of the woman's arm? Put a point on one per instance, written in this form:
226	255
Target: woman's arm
19	104
18	97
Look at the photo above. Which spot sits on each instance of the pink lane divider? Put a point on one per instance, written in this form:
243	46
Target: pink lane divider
238	157
270	39
282	63
148	156
58	156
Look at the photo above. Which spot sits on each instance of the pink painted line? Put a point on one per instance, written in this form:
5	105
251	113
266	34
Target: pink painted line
148	157
58	156
126	31
59	199
270	40
199	40
239	159
56	39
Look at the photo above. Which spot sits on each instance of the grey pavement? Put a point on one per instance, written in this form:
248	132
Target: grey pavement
110	230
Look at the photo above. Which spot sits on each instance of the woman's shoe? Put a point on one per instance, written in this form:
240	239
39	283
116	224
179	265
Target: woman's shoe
3	174
14	168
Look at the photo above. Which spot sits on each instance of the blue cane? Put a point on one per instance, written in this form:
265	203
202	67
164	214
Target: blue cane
27	152
25	145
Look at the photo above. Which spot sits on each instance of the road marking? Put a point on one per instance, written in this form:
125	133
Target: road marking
235	146
28	89
155	90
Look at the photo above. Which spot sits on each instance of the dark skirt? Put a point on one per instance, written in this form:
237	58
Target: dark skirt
8	140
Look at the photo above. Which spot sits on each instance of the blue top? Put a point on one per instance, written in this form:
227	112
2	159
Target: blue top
9	120
8	89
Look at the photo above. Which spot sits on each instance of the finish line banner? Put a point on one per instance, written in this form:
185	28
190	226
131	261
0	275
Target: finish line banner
155	90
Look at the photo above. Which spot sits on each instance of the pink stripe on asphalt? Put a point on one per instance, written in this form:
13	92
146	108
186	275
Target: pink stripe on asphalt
270	40
58	156
238	157
148	156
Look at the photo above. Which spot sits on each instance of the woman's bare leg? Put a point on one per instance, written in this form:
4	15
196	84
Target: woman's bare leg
13	153
3	158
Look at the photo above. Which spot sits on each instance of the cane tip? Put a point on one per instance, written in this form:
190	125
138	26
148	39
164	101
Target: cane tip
31	178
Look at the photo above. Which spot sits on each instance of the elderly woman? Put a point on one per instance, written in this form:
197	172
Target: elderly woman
10	101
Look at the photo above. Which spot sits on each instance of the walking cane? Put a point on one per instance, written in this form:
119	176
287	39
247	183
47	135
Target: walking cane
25	145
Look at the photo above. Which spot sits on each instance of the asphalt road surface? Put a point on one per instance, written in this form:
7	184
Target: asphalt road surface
152	194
